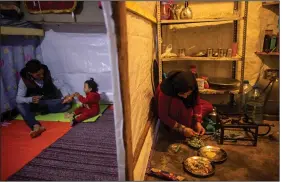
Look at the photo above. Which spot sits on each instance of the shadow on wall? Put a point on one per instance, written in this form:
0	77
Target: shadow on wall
105	99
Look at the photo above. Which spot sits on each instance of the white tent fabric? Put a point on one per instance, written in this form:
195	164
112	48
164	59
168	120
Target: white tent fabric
118	115
75	57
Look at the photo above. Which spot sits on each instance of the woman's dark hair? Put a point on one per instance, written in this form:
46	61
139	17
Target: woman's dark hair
92	84
181	82
33	66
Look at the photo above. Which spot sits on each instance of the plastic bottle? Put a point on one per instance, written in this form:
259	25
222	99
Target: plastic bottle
267	41
255	104
247	88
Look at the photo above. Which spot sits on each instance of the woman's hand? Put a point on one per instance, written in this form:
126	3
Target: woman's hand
188	132
200	129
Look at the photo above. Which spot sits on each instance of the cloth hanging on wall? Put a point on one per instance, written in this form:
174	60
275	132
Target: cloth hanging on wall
15	52
10	9
44	7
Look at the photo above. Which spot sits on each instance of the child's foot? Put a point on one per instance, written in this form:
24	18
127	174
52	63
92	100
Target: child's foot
73	123
69	115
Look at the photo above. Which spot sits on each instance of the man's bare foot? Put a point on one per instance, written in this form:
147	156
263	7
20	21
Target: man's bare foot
37	130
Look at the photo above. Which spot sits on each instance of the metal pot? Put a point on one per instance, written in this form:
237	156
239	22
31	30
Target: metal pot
186	13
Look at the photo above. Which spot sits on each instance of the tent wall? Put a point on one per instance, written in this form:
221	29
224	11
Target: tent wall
260	18
76	57
141	35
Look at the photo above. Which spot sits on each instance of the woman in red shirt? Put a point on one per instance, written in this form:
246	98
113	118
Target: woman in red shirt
179	103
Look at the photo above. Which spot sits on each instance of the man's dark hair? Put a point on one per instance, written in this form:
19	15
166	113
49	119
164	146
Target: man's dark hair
33	66
92	84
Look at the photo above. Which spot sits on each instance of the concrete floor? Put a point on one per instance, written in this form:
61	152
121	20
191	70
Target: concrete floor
245	162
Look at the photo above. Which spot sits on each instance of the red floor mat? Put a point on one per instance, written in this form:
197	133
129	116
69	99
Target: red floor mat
17	148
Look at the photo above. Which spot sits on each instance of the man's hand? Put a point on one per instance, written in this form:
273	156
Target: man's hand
188	132
35	99
67	99
200	129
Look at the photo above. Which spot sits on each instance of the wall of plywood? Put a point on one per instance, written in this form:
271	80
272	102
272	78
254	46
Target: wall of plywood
141	53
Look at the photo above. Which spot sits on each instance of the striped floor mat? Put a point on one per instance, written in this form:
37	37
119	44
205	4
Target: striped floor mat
86	153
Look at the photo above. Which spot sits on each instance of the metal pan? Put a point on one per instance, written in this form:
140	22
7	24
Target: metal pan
223	81
188	166
214	154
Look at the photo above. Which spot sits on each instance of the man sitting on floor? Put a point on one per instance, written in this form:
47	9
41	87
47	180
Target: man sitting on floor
39	92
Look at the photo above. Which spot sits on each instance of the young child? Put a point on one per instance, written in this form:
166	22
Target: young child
90	104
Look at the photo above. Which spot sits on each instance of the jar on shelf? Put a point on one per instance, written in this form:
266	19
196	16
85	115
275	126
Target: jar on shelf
165	11
267	40
206	84
277	42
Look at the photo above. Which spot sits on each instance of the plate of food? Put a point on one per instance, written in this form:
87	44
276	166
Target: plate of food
195	142
199	166
214	154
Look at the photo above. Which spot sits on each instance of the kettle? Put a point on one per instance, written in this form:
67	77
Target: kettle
186	13
213	114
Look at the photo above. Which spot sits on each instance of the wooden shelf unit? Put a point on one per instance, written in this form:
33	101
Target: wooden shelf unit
216	92
270	3
267	54
7	30
189	58
201	20
235	18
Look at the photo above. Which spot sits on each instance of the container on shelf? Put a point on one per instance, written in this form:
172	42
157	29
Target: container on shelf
255	104
165	11
277	42
209	52
220	52
181	52
234	49
229	53
206	85
273	43
267	40
201	83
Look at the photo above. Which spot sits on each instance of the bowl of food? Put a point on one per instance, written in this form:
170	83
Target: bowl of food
195	142
214	154
199	166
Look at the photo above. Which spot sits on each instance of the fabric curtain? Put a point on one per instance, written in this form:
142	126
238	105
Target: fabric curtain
15	52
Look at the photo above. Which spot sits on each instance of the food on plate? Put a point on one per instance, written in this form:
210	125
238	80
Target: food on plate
198	166
195	142
214	154
210	154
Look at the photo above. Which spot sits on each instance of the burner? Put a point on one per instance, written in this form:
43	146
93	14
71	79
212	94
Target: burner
235	122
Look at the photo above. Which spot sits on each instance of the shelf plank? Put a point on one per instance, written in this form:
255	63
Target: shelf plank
6	30
216	92
268	54
201	20
189	58
270	3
